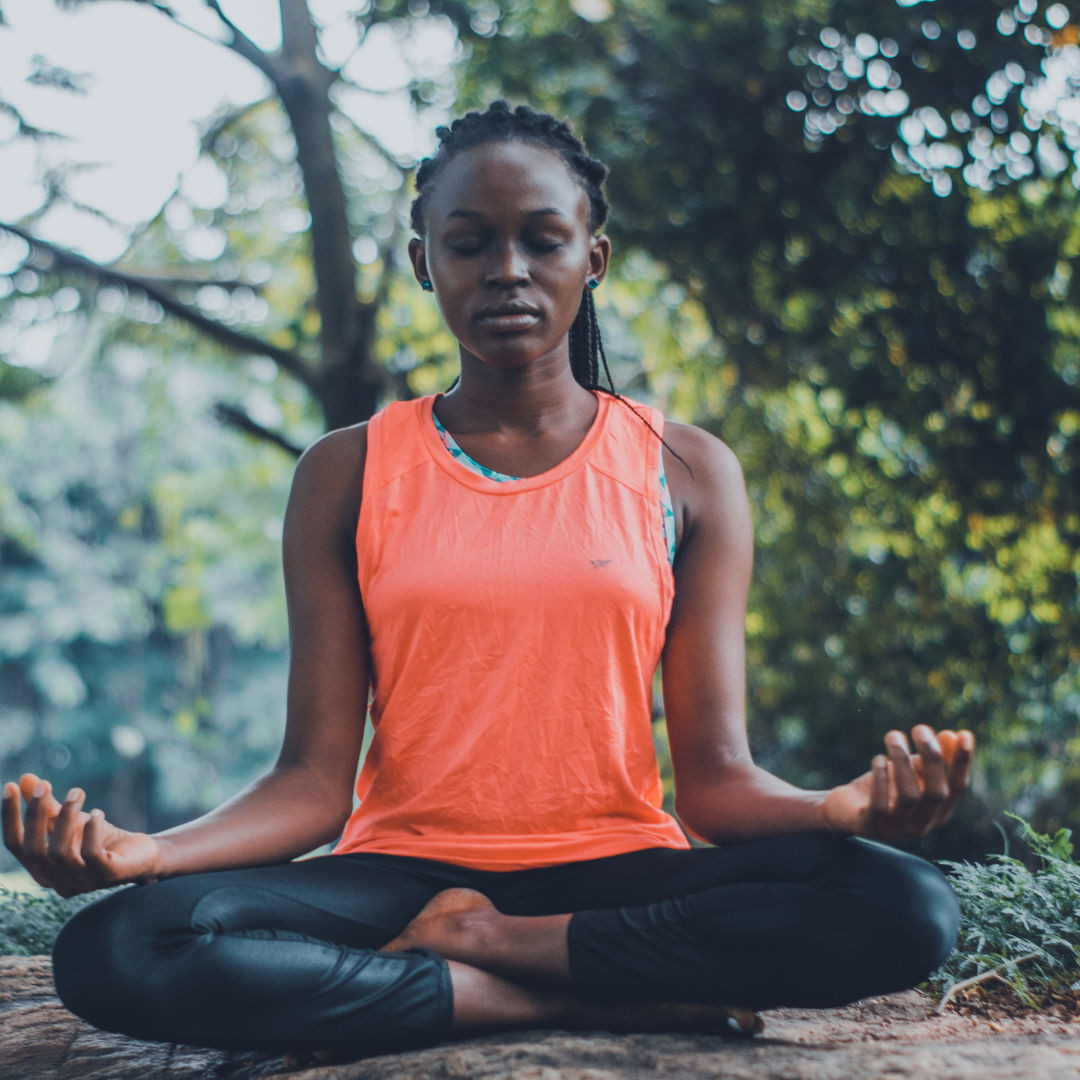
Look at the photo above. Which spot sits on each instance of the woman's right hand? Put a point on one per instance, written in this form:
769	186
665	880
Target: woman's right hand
66	849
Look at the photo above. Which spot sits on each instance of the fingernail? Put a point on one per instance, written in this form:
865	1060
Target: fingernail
72	795
39	790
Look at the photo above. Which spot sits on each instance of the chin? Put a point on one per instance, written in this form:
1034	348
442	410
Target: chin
511	352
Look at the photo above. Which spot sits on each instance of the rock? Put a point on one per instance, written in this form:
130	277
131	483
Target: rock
898	1037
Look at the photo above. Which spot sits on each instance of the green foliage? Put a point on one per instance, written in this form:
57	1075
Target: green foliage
141	645
30	921
1009	912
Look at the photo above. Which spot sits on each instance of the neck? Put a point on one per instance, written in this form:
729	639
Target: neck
540	394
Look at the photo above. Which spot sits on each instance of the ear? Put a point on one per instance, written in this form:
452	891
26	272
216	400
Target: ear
599	257
418	257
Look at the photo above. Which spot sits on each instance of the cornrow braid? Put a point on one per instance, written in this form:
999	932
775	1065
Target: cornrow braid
500	123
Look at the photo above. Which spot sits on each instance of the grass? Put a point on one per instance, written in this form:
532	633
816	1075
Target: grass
30	917
1020	928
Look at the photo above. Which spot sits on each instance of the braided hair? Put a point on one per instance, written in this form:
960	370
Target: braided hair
500	123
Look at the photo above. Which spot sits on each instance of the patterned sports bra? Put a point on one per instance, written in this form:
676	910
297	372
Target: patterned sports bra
667	511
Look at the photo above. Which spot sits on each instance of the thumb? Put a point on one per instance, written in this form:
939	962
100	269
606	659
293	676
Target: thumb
94	853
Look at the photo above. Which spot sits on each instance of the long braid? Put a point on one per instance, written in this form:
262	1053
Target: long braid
583	357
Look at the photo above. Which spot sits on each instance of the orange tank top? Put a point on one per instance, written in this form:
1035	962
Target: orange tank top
515	631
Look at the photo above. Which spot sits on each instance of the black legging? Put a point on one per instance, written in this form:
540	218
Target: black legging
286	956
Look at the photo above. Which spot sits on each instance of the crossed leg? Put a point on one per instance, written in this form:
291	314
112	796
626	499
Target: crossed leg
373	953
514	971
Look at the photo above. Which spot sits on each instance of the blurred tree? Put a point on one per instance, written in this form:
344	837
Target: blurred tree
873	204
327	341
142	620
141	617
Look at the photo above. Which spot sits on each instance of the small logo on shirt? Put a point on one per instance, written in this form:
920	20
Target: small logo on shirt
599	564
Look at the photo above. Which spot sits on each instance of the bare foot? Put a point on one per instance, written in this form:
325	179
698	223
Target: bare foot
445	922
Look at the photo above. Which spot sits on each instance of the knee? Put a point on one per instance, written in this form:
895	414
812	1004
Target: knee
89	962
916	912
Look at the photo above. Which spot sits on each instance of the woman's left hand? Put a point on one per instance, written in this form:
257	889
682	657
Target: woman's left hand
904	795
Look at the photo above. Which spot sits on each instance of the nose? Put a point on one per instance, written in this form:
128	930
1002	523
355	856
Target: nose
508	267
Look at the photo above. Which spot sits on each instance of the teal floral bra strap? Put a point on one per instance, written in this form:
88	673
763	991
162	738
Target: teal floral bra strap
667	511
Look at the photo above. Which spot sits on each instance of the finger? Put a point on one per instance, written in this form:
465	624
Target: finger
28	782
68	824
36	840
93	851
879	795
933	774
947	741
12	817
36	826
906	782
959	774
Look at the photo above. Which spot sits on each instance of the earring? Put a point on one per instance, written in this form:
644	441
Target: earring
593	284
427	286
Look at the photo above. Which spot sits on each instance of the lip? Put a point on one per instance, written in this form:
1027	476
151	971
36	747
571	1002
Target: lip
508	316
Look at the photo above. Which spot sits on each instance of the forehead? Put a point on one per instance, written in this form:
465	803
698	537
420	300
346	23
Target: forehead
501	178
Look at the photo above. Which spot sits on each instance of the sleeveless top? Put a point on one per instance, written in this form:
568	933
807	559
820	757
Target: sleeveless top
515	629
667	509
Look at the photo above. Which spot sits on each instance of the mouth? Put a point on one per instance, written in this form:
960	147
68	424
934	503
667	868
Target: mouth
509	316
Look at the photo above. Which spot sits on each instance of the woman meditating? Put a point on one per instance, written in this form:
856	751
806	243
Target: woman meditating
505	566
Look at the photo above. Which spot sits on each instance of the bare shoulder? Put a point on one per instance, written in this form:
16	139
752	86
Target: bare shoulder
702	471
338	453
698	447
329	477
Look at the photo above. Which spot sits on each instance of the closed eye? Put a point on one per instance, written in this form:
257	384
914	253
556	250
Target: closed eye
467	247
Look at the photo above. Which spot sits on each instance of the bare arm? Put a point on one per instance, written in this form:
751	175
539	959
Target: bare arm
720	794
304	800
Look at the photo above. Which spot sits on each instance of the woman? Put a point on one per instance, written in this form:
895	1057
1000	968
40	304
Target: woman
506	565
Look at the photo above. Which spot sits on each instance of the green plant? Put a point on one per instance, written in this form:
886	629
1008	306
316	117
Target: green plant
30	921
1020	928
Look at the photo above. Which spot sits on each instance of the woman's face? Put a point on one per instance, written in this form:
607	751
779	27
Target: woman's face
508	249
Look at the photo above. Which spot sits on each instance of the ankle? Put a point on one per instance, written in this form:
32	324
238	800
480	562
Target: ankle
474	934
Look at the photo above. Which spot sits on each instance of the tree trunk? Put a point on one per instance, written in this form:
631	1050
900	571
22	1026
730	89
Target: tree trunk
348	381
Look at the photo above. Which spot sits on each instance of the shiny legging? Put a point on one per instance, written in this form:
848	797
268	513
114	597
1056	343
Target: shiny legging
287	956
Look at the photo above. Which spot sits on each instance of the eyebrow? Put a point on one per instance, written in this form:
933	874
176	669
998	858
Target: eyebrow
480	213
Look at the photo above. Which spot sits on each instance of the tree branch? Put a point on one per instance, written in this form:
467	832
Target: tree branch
224	335
237	418
244	46
993	973
145	280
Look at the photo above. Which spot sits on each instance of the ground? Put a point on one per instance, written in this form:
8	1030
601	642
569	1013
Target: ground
891	1038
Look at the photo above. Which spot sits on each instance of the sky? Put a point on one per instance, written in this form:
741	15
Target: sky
150	83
